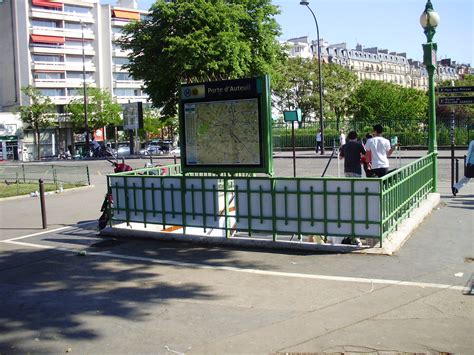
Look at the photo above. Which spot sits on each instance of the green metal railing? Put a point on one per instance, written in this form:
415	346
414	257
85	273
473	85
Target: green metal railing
50	173
272	208
404	189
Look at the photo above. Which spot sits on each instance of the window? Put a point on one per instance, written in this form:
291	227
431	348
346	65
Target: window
48	75
75	92
127	92
120	61
78	75
45	23
78	59
48	58
116	30
52	92
122	76
76	9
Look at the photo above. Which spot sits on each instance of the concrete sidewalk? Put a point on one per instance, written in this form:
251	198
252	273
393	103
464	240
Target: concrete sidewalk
136	296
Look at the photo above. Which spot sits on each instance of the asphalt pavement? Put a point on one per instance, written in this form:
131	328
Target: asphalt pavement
67	290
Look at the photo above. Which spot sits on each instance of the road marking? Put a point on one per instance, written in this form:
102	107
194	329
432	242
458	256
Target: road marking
48	231
248	271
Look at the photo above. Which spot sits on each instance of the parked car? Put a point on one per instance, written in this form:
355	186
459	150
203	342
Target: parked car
151	150
123	150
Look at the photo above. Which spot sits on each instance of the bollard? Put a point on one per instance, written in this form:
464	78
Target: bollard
175	161
42	202
457	170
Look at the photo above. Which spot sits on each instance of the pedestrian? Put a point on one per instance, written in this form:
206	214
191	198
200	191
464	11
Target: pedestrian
318	142
379	150
365	160
352	152
468	170
342	138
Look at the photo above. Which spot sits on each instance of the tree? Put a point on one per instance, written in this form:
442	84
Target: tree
39	113
339	85
297	86
199	40
101	110
376	101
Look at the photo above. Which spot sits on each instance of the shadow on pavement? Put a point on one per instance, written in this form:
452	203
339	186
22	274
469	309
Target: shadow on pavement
50	296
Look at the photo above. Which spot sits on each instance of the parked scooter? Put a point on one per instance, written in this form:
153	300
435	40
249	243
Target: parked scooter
105	209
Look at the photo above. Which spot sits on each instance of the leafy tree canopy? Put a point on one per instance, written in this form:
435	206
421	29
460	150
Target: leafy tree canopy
101	110
199	40
375	101
39	113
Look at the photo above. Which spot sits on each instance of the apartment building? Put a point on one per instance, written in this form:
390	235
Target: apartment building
56	46
375	63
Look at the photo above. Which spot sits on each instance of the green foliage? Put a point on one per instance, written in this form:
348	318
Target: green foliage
39	113
200	40
41	110
102	111
297	86
374	101
156	125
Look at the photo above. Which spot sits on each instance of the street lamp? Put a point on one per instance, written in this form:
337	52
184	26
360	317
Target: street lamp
86	123
429	20
321	125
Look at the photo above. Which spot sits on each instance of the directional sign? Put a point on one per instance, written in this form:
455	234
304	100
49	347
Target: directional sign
456	100
455	89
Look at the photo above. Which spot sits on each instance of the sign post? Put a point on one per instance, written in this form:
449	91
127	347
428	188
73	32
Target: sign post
293	116
450	101
132	121
225	126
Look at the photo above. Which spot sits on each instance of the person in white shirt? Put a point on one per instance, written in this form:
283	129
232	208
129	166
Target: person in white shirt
379	150
342	139
318	142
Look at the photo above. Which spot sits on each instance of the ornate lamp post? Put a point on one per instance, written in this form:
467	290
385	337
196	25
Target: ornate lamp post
321	125
429	20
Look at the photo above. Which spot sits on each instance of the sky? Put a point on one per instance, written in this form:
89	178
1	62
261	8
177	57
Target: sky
387	24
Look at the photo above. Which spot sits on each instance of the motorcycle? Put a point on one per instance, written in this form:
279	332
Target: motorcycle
105	208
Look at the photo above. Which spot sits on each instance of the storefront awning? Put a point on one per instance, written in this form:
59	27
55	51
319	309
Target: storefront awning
47	39
47	3
129	15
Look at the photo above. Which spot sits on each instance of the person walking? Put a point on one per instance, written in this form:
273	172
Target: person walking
342	139
468	170
318	142
379	150
352	152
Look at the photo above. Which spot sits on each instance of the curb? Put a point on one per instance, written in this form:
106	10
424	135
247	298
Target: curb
47	193
391	244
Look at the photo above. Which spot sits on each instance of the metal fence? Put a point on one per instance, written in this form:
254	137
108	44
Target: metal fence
273	208
412	133
50	173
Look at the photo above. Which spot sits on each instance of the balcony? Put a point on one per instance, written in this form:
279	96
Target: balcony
128	84
61	15
56	66
127	99
77	66
57	49
63	32
121	53
62	83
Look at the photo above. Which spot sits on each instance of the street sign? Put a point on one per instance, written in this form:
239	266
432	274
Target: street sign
292	116
455	89
456	100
